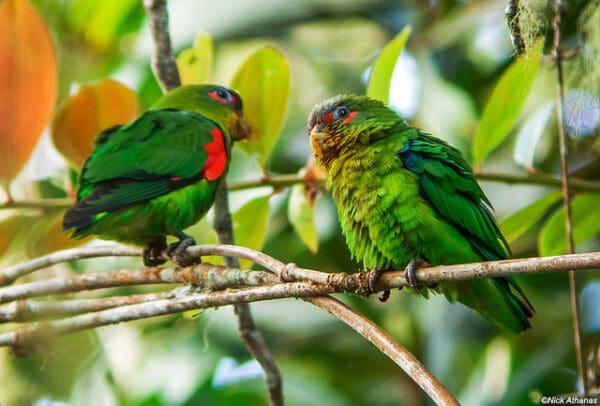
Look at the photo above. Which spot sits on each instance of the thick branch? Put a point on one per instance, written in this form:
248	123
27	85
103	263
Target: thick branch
208	276
387	345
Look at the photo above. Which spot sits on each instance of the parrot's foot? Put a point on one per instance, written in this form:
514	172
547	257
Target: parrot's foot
373	281
152	255
409	272
179	256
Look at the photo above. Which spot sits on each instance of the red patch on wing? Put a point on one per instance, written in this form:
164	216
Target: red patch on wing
350	117
175	178
214	96
217	156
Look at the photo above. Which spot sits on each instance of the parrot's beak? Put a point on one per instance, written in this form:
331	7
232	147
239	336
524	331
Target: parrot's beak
318	138
243	129
318	133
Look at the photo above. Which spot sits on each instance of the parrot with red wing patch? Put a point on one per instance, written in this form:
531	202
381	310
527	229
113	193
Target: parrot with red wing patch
159	174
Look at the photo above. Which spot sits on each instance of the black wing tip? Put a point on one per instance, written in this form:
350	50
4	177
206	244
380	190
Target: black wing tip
75	220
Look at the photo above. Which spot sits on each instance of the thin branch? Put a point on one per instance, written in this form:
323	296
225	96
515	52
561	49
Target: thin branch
387	345
283	181
566	190
34	310
163	60
29	334
539	179
8	275
252	338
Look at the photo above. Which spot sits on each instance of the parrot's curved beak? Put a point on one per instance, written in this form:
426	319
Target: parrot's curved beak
243	129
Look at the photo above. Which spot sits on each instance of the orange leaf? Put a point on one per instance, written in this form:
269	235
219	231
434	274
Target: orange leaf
93	108
28	78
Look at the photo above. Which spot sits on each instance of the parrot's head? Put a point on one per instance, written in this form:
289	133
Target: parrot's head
345	123
218	103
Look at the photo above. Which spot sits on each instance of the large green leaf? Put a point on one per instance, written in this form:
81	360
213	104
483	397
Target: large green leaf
250	224
552	239
520	222
504	105
383	67
264	84
301	216
195	64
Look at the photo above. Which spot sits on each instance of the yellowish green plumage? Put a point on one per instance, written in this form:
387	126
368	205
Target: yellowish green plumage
159	174
404	195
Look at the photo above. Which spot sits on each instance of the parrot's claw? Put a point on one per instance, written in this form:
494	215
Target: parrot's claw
373	281
152	256
179	256
410	272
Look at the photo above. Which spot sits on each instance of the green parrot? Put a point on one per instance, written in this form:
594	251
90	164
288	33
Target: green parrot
159	174
404	196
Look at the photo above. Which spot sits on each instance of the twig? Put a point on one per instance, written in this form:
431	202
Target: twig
247	330
163	60
11	273
566	191
387	345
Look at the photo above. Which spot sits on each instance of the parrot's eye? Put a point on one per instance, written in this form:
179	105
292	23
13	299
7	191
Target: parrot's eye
341	113
222	93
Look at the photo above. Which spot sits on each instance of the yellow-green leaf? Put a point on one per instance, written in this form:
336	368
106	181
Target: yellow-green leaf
301	216
93	108
585	225
103	24
520	222
264	84
195	64
250	224
503	107
383	67
28	76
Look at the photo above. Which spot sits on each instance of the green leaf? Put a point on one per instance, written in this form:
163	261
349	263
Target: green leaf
195	64
530	134
264	84
383	67
504	105
552	239
520	222
301	216
104	23
250	224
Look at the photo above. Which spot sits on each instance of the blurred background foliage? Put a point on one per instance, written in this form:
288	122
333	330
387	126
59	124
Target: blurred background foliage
458	78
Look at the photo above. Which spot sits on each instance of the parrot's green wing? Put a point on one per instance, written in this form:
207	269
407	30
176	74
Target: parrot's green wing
161	151
447	183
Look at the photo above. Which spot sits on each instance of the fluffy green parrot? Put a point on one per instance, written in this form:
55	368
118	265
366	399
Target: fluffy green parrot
158	175
404	196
